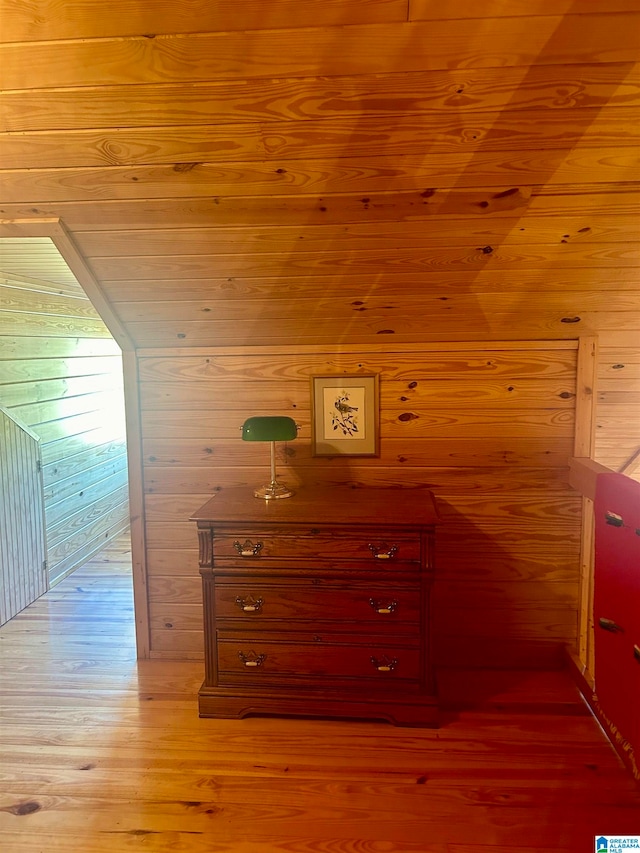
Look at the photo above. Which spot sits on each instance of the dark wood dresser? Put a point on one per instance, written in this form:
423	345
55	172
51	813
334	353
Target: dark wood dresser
318	604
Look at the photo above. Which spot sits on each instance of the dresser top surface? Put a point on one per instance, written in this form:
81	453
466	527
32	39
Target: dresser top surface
322	506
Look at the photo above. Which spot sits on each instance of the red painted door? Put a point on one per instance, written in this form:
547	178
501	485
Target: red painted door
617	603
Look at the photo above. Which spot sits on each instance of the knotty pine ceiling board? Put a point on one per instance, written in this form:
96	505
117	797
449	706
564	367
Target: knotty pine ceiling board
562	88
427	10
528	283
433	205
348	174
336	308
359	329
326	139
333	263
526	230
324	51
59	19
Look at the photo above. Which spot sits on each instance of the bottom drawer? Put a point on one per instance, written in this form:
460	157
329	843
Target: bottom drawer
259	661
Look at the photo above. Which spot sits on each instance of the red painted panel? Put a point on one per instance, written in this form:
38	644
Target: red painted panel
617	602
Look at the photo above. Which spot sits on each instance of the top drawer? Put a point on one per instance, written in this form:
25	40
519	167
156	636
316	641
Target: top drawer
253	546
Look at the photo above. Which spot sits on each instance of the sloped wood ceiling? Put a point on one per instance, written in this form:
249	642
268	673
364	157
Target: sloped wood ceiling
412	168
445	193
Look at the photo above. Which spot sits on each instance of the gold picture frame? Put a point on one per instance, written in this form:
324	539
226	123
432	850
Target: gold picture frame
345	415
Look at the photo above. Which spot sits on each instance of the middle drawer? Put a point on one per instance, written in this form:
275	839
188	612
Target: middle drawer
258	602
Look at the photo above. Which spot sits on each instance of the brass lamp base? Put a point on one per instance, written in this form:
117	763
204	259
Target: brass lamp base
273	491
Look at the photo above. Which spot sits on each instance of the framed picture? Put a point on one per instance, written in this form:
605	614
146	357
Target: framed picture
345	415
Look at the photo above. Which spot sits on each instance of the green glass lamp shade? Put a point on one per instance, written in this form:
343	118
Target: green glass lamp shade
269	429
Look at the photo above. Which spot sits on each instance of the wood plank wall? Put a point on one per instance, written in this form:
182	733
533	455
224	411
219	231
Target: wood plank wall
618	421
61	374
424	189
489	429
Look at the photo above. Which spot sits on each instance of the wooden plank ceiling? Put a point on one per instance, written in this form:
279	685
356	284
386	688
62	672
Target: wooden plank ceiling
328	171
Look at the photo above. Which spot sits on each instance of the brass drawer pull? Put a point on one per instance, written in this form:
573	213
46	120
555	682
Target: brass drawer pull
636	653
383	552
384	664
247	548
252	659
610	625
383	609
249	604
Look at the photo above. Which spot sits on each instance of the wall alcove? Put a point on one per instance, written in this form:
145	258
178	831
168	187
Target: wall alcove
61	380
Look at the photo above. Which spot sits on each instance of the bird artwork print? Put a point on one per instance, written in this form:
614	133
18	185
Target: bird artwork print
344	419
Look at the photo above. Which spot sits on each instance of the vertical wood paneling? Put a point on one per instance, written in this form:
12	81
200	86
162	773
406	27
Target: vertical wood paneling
584	446
587	373
137	508
23	576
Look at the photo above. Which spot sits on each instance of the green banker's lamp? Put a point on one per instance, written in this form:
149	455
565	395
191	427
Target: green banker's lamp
271	429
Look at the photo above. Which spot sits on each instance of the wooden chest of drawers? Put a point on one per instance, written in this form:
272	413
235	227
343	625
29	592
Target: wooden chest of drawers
318	604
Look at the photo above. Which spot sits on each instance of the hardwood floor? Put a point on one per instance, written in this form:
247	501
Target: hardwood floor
102	754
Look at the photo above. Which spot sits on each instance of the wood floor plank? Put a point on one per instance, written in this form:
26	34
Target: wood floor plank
101	753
